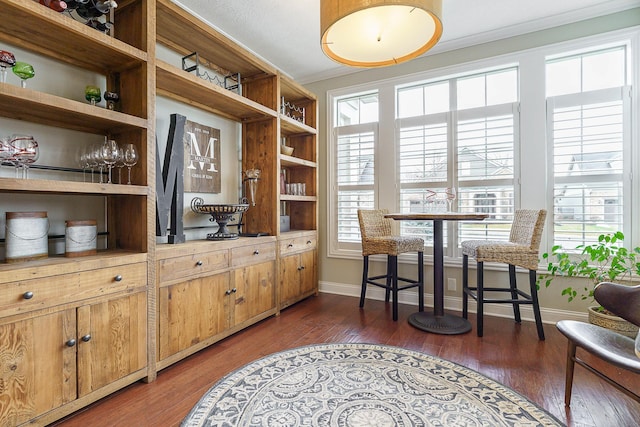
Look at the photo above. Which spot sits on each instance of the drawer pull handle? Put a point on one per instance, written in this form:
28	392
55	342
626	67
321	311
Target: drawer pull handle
118	278
290	245
302	267
198	263
27	295
234	290
86	338
308	242
256	252
227	292
71	342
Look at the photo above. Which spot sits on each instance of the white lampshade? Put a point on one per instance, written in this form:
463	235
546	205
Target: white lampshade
377	33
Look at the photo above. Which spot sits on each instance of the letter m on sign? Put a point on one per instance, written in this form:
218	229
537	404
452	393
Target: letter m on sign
170	183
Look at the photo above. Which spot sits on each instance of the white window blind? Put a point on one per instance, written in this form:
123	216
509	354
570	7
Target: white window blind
487	140
355	154
589	134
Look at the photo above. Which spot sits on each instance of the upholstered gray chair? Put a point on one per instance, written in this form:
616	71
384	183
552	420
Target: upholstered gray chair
377	238
613	348
520	251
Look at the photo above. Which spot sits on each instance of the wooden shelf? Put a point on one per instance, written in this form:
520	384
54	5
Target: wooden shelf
185	34
291	161
292	91
186	87
290	127
38	107
44	186
291	198
31	26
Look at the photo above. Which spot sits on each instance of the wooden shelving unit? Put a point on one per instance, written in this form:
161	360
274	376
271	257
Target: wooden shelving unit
62	318
129	295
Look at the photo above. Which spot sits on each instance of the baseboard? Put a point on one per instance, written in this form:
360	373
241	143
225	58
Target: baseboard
549	315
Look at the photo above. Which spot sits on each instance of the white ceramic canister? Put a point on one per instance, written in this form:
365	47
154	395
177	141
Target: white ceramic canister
80	237
26	236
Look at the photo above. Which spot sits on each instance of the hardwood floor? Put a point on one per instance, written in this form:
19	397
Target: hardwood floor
508	353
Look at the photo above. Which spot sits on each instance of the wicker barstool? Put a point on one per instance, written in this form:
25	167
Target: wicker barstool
377	239
522	251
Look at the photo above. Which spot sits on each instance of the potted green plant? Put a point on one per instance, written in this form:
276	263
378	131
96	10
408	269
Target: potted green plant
606	260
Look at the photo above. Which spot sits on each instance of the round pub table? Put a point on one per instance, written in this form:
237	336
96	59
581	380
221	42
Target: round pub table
438	322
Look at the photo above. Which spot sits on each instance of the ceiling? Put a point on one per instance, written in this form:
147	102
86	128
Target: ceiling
287	33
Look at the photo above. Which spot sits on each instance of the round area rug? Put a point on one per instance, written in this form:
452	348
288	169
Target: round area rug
355	385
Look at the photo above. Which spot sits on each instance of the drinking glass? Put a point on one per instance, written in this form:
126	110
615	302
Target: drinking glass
24	71
120	164
26	152
6	151
451	196
92	94
131	158
7	60
110	155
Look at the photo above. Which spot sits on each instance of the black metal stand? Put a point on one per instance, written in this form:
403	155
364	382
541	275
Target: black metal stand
438	322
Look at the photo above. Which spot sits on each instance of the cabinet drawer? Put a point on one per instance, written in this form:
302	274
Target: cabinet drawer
18	297
189	266
297	244
253	254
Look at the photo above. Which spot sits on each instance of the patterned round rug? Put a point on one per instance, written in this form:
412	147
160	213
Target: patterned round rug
355	385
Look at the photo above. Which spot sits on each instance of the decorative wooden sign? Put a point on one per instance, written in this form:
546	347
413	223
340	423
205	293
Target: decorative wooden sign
201	158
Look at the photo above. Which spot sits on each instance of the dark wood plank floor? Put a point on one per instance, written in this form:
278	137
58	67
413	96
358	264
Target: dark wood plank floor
508	353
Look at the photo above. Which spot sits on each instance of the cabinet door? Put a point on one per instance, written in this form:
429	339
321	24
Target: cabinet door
37	367
112	340
308	277
254	291
190	312
289	278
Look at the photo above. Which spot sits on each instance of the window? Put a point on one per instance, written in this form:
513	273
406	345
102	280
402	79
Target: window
470	147
356	138
555	127
588	124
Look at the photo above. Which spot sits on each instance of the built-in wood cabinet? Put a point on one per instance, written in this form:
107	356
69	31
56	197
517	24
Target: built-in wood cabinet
70	338
209	290
73	330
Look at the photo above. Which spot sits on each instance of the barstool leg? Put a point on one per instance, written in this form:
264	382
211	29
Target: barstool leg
536	305
389	278
465	286
393	261
421	281
365	276
480	281
514	292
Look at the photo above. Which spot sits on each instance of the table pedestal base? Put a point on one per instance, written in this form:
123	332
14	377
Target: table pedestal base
446	324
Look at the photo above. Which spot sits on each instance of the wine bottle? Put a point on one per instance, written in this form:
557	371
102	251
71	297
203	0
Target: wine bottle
57	5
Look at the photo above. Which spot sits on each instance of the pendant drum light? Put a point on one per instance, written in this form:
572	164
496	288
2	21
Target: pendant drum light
377	33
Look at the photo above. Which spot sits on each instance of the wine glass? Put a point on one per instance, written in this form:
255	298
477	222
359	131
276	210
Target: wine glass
111	98
6	150
131	157
7	60
24	71
451	196
120	164
92	94
26	152
109	155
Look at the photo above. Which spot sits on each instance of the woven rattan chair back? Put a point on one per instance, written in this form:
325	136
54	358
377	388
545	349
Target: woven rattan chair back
374	224
527	227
